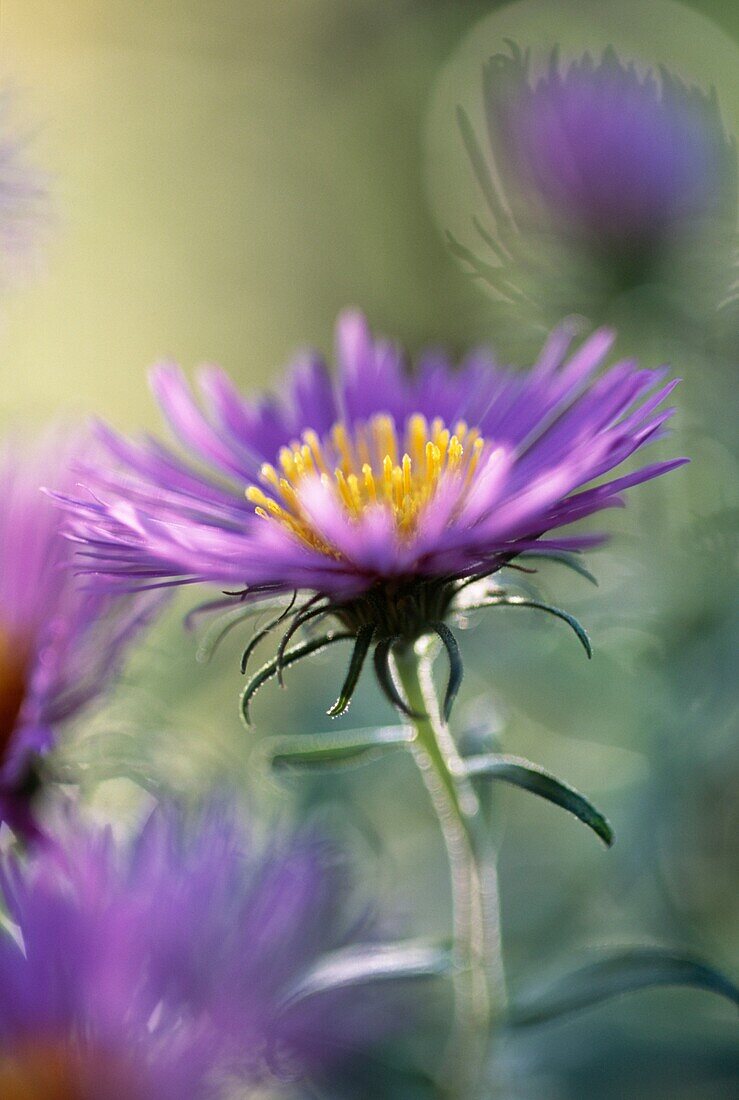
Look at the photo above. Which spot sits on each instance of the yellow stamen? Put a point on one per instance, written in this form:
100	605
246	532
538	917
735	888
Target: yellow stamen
353	484
369	483
343	488
374	465
341	443
418	433
269	475
288	463
311	438
387	477
407	484
387	441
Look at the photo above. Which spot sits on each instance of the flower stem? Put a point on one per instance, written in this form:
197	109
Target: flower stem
477	969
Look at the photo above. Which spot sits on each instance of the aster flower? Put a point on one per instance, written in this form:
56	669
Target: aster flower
379	496
167	968
600	164
59	646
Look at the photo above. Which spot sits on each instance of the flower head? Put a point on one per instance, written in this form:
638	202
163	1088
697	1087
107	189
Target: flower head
162	969
59	645
599	164
380	493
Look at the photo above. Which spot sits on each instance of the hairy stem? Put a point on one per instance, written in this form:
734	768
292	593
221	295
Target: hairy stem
478	974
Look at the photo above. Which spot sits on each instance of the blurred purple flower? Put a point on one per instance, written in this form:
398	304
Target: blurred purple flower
597	161
159	970
377	493
59	645
621	158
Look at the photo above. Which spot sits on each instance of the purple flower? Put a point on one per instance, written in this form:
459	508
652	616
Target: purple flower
162	969
59	645
598	162
379	493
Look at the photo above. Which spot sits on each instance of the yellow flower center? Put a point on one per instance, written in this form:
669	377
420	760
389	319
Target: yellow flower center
372	466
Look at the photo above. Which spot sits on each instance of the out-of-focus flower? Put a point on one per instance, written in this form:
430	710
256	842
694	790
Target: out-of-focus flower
380	494
59	645
160	970
603	174
23	197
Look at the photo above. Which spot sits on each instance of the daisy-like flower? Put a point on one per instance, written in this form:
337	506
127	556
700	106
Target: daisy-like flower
168	968
595	161
59	645
379	494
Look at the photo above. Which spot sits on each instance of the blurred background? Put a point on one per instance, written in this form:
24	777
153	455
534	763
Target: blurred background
224	177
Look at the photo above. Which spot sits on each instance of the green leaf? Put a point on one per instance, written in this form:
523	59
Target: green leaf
623	972
284	660
365	964
524	601
530	777
572	561
322	749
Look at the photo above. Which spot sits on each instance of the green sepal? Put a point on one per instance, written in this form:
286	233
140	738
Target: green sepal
260	635
307	612
456	669
307	751
483	176
530	777
223	625
538	605
361	648
489	273
365	964
284	660
621	972
572	561
383	649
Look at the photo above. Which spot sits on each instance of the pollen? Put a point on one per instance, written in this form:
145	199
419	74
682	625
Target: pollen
373	465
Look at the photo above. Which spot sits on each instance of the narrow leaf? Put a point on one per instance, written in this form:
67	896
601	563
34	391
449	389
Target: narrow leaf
530	777
572	561
623	972
361	648
368	963
266	672
351	746
524	601
456	670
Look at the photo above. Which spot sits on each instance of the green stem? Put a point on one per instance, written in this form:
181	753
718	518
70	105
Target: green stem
478	973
